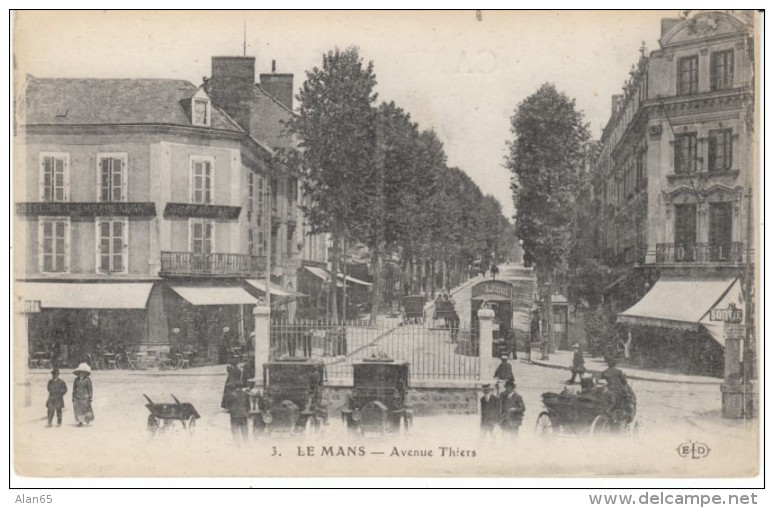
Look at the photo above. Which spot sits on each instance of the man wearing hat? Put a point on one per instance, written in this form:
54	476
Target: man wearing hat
511	409
82	394
490	410
56	392
504	371
578	363
238	405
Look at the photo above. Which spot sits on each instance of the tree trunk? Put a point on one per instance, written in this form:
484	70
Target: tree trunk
376	290
333	317
428	278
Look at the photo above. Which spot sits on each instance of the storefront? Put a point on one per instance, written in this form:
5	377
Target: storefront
79	318
208	318
672	325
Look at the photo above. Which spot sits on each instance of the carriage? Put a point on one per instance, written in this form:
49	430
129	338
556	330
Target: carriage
291	401
413	307
377	403
594	411
164	415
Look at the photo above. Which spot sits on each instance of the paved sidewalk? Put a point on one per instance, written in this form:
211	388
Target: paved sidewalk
563	360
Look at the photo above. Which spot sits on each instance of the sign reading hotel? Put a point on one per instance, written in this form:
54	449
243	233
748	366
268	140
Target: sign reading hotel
492	290
729	315
200	211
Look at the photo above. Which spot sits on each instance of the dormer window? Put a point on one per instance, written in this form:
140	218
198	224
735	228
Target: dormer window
200	112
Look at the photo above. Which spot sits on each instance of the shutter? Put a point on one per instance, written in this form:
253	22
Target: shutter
66	175
125	251
67	233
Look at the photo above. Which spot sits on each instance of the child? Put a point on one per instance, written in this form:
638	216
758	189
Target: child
56	392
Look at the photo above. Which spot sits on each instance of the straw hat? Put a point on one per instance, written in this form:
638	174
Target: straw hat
84	367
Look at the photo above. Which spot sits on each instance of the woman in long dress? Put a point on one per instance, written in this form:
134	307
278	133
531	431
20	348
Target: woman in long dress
82	395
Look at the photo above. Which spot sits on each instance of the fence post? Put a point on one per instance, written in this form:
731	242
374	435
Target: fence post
262	317
485	318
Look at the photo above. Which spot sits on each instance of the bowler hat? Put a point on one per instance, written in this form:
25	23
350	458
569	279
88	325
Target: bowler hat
486	386
510	384
55	370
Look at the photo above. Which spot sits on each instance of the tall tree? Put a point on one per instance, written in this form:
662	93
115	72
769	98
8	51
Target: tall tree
545	157
335	129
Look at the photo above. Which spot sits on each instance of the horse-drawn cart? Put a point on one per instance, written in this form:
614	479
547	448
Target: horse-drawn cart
164	415
595	411
413	309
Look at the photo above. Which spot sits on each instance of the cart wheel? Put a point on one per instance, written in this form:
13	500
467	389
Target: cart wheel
190	424
601	425
153	426
544	427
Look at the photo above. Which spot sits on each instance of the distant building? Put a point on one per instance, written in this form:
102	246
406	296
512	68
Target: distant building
672	186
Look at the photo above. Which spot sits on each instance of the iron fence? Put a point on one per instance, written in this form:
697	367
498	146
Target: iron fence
434	352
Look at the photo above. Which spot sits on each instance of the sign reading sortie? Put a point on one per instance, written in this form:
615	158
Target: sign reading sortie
729	315
492	290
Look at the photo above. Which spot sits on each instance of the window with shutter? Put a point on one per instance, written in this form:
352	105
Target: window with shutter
720	145
201	180
112	177
54	168
201	236
112	245
54	244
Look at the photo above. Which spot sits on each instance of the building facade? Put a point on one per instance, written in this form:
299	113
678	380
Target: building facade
673	184
144	211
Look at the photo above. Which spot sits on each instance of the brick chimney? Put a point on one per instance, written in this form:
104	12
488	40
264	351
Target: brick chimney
279	86
231	86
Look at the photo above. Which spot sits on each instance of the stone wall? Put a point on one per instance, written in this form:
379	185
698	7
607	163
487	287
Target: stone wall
424	400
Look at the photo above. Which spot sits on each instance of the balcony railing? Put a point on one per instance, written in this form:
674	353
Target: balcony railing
731	252
190	263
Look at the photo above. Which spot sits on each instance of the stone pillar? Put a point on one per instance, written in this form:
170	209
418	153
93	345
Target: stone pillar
21	345
262	315
485	318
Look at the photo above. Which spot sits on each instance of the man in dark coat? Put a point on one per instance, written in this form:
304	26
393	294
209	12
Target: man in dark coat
238	405
233	376
504	371
578	363
55	403
618	386
490	410
511	409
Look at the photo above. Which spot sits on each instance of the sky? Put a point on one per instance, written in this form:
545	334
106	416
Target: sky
458	75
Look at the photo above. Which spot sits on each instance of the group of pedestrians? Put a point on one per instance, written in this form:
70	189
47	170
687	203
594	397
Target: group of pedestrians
505	408
82	395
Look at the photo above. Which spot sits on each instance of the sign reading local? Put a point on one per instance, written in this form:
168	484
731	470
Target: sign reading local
492	290
199	211
730	314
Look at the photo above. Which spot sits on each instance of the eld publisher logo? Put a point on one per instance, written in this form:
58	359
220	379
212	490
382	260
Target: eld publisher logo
693	450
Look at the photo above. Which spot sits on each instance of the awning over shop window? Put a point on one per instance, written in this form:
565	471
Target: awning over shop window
679	303
275	289
82	295
353	280
323	274
205	295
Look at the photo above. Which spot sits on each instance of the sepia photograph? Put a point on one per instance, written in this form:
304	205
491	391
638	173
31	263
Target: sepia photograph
386	244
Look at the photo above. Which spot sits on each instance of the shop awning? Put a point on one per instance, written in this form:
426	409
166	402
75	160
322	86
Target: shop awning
353	280
203	295
323	274
275	289
81	295
678	303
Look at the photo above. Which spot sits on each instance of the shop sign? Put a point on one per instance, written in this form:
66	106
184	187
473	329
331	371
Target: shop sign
199	211
730	314
96	209
499	290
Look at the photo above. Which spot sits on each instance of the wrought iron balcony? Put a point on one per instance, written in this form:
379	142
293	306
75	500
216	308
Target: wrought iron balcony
218	265
731	252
